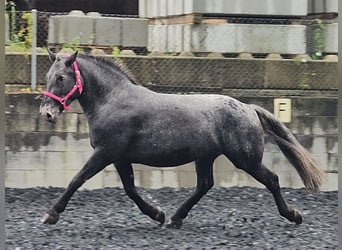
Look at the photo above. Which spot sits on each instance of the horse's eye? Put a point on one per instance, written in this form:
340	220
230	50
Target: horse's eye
60	78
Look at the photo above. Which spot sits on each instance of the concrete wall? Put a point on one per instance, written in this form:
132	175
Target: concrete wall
194	72
42	154
331	38
93	29
161	8
326	6
193	26
237	38
228	38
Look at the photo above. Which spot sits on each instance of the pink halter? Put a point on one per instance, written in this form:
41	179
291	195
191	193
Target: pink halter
78	86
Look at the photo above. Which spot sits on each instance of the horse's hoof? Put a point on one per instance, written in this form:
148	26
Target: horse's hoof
51	217
160	216
176	224
297	217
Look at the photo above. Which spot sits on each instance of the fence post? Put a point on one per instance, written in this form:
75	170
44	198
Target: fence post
34	51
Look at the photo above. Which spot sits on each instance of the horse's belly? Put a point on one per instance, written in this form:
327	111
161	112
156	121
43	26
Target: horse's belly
159	158
163	162
163	156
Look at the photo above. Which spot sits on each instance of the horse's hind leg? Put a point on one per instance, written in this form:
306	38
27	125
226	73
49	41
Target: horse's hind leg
205	181
270	180
126	174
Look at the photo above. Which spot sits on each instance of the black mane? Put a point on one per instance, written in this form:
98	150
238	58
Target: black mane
115	63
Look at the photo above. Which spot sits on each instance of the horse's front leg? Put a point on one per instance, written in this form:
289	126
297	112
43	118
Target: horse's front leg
95	164
126	174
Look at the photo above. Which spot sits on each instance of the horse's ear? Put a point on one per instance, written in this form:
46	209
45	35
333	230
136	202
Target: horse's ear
52	55
70	60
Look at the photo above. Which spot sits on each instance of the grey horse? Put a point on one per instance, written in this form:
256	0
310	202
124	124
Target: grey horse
129	123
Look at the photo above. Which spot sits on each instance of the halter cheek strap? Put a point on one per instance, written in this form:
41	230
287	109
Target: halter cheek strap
78	86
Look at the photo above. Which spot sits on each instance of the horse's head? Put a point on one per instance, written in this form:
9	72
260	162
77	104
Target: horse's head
63	85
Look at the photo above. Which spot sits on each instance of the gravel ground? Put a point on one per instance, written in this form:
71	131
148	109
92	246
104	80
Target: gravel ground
226	218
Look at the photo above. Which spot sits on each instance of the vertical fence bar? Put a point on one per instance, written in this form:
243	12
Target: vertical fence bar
34	51
3	161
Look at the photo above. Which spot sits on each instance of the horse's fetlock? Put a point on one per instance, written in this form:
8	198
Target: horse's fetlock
131	192
160	216
175	222
57	209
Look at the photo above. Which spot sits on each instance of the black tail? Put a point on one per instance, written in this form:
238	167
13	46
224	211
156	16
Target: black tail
300	158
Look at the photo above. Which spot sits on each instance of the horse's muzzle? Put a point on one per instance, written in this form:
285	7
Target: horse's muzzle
50	113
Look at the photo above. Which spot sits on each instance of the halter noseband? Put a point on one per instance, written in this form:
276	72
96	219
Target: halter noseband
78	86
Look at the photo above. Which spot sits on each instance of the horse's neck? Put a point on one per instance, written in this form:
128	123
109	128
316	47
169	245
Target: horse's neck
100	90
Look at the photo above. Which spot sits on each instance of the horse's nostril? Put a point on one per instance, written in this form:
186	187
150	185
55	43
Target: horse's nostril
48	115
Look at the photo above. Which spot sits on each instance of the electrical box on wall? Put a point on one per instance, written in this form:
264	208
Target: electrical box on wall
282	109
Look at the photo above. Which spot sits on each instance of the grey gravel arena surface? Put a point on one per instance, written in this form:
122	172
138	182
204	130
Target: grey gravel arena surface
226	218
